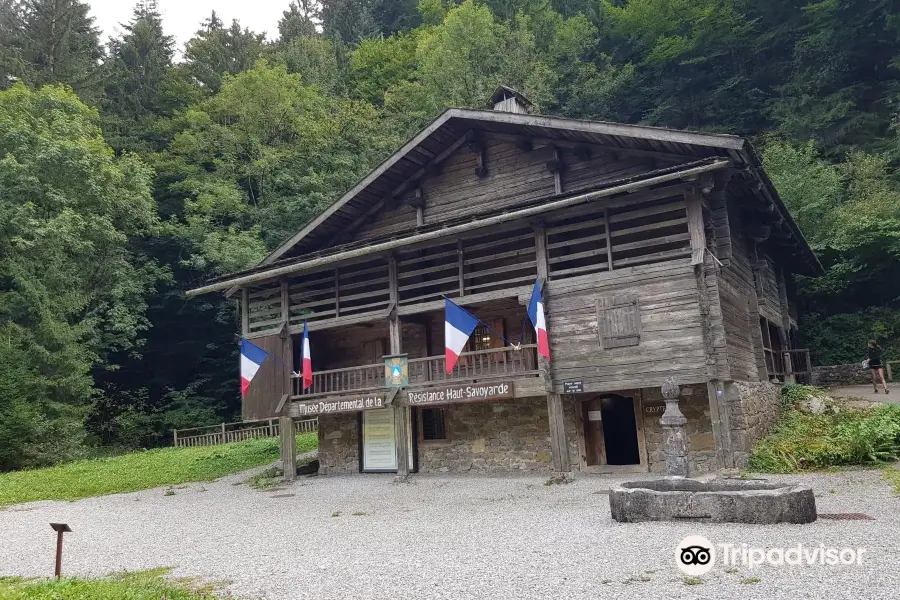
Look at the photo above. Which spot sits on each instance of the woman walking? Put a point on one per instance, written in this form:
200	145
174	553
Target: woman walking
876	364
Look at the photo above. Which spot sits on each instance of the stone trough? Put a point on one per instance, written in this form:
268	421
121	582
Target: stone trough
716	501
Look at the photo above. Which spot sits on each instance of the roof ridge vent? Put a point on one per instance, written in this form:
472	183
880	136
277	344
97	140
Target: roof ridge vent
506	99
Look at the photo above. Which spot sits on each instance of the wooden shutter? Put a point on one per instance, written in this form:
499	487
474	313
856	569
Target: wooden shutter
619	321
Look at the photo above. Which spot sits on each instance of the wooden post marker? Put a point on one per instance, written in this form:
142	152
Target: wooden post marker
60	529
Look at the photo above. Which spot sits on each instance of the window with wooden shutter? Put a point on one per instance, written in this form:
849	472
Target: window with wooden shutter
619	321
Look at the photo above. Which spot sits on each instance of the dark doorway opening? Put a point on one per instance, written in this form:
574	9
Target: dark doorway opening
620	430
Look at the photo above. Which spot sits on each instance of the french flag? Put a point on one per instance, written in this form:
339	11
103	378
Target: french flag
252	357
458	326
307	359
536	314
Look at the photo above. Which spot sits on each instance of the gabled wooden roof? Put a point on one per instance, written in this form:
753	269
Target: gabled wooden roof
449	131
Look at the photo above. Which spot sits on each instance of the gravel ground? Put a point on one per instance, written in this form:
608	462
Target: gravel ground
452	537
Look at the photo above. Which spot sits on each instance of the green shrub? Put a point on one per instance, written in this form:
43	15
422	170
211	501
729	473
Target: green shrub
846	437
793	393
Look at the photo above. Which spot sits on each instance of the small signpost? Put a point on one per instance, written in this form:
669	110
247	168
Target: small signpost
60	529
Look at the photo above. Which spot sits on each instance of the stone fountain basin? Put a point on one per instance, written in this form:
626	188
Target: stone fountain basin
716	501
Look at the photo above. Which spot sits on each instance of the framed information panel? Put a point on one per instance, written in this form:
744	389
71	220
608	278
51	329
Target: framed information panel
378	452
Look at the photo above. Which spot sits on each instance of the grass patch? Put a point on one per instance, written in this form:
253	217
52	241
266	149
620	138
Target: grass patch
560	479
265	480
144	585
838	437
692	581
892	476
141	470
750	580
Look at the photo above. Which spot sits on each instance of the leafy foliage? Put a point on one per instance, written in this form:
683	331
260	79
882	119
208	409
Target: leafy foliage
209	161
71	286
50	41
846	436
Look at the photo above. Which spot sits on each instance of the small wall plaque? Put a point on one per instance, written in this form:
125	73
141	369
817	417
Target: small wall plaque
396	371
595	415
573	387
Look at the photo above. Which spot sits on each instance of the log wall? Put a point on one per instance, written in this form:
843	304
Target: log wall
514	176
271	381
671	329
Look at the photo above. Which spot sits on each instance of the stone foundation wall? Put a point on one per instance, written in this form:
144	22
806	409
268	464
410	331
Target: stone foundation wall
338	443
694	404
753	409
512	435
834	375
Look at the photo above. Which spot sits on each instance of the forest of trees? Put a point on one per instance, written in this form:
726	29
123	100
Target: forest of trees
132	169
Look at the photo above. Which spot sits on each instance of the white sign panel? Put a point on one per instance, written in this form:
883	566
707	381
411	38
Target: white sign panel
379	452
595	415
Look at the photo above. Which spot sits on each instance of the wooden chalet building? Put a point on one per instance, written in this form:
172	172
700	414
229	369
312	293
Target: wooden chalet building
662	254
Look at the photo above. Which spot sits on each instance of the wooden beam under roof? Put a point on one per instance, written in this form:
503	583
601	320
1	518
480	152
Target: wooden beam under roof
581	147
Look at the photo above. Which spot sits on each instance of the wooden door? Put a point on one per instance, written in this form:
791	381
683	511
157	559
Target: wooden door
594	444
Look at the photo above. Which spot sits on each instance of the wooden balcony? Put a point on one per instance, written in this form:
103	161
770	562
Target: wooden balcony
483	365
788	365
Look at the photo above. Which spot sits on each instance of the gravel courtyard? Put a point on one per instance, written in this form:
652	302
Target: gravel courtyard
451	537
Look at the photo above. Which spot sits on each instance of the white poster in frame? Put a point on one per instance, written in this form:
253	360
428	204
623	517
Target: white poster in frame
378	435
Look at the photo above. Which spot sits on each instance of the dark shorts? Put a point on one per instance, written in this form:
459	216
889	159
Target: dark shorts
875	366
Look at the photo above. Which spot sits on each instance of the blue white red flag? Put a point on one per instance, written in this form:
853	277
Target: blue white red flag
458	326
307	359
536	314
252	357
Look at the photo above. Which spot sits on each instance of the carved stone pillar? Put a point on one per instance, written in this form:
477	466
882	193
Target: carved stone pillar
676	444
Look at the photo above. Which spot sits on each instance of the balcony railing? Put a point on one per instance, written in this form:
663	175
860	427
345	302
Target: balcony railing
789	363
334	381
496	363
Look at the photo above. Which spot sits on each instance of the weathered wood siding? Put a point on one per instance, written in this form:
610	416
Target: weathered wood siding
514	176
271	381
769	299
671	328
740	308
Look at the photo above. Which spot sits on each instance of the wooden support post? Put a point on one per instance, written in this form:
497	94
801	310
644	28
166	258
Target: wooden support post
462	268
285	302
288	447
609	256
559	446
556	167
401	413
175	437
696	228
721	423
337	293
785	327
540	246
245	311
223	433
